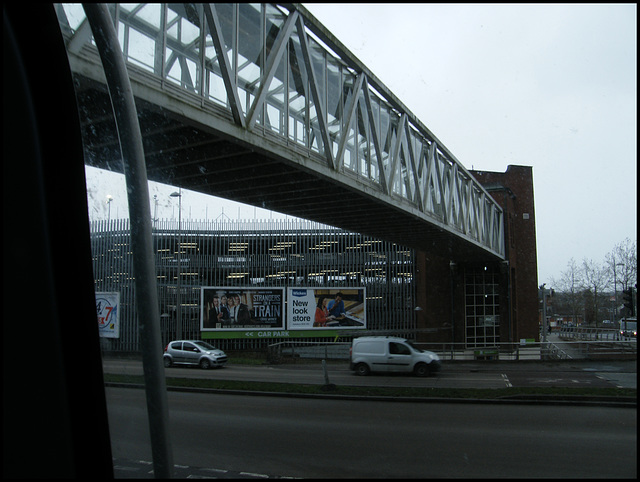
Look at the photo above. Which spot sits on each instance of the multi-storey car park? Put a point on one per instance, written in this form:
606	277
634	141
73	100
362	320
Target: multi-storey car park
254	254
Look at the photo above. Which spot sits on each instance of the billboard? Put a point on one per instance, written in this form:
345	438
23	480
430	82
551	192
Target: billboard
326	308
107	305
230	308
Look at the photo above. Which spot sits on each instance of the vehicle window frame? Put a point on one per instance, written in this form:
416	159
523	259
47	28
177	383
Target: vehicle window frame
188	346
399	348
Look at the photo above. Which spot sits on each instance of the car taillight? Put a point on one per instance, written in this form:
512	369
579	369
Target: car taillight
166	347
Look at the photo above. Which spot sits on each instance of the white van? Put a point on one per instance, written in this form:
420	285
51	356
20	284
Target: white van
391	354
629	328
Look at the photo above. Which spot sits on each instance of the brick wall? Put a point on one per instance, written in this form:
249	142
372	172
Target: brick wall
443	300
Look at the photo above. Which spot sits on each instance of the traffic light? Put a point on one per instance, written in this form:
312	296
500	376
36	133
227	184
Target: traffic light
627	298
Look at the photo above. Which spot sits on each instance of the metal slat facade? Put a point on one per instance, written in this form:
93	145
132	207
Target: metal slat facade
250	254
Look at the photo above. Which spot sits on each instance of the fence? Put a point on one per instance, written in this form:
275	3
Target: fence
284	351
589	333
250	254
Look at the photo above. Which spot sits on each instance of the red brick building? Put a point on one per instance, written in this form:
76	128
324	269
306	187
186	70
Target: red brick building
487	301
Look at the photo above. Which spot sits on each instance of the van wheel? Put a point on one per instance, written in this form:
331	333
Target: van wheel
205	364
422	370
362	369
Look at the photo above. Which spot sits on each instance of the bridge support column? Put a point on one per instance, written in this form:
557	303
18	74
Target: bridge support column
440	305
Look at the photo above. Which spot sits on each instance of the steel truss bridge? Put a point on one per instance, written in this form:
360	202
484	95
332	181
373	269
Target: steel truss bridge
261	104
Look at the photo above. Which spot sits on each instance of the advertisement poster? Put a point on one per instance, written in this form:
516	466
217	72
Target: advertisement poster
233	308
322	308
107	305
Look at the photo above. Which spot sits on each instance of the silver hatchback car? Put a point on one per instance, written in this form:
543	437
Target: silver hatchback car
193	352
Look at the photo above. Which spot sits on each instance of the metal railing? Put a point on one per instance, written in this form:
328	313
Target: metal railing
589	333
553	351
282	352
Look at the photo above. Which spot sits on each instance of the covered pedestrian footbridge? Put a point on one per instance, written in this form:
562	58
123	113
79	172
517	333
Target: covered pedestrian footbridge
261	104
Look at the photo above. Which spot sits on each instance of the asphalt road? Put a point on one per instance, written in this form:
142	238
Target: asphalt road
486	374
225	436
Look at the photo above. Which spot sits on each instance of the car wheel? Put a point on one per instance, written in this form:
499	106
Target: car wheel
167	362
362	369
205	364
422	370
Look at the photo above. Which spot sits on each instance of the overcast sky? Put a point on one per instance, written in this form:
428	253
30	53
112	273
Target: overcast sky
547	86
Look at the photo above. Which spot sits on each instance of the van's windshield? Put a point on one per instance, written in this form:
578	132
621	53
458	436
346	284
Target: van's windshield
629	325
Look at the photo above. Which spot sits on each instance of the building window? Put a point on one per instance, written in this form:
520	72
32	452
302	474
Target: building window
482	318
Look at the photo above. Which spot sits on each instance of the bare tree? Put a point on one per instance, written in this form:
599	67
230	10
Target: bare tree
582	287
624	260
570	284
595	280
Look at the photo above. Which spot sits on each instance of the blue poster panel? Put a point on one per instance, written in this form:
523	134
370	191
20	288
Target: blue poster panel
326	308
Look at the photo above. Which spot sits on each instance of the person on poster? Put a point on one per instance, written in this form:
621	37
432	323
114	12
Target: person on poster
242	311
322	313
224	307
336	306
212	312
233	309
217	312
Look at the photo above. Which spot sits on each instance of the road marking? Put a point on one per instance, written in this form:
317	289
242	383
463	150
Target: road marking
222	471
559	380
506	380
125	468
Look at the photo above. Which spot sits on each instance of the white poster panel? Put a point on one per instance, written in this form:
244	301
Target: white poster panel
233	308
321	308
108	308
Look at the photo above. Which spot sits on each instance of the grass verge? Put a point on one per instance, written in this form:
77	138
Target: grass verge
482	394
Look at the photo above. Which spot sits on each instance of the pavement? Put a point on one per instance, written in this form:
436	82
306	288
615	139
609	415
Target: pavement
479	374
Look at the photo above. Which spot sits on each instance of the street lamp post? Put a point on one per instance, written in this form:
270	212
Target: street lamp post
543	290
178	300
109	199
615	289
452	269
155	209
